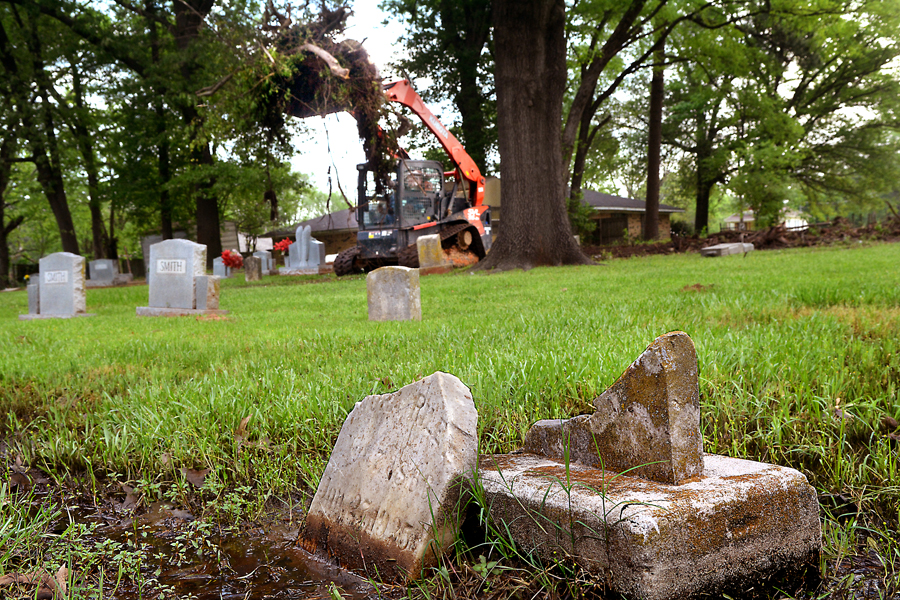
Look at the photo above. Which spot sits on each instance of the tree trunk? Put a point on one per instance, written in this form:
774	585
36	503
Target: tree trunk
86	147
654	145
704	191
6	151
531	78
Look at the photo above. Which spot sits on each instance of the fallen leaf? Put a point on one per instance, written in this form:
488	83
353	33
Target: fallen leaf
195	477
212	318
894	436
842	414
240	433
166	459
386	381
19	467
889	423
61	577
697	287
20	481
130	499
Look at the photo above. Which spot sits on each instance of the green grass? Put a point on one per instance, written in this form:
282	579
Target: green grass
784	338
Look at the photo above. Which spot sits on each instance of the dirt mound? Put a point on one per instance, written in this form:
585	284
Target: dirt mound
821	234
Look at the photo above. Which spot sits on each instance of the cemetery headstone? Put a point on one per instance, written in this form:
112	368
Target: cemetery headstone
60	289
266	257
102	272
252	268
630	486
647	423
393	294
387	500
306	256
176	287
219	268
207	287
34	296
431	255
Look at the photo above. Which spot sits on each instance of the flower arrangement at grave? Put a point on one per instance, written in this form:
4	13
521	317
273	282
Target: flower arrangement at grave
232	259
282	246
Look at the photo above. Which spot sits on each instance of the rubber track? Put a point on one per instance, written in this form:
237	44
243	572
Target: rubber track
344	262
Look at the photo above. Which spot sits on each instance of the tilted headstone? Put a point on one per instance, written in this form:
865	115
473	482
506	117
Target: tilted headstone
103	271
647	423
62	284
431	254
174	265
393	294
266	257
219	268
207	292
252	268
387	500
727	249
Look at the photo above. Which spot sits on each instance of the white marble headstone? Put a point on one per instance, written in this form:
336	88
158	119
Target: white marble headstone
174	264
62	284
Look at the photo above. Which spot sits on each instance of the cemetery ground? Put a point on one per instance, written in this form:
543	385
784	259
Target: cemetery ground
161	457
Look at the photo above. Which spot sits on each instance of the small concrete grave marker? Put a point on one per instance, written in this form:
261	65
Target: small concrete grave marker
219	268
727	249
178	281
252	268
431	255
59	291
686	525
306	256
266	257
386	502
393	294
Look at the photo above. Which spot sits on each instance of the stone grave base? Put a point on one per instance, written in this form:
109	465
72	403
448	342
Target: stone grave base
153	311
30	317
727	249
740	521
322	270
439	270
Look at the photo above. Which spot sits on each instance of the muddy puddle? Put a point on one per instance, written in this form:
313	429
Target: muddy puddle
182	557
163	551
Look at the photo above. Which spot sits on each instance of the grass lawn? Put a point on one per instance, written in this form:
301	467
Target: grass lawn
799	356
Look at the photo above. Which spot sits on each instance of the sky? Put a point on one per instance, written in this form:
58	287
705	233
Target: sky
339	130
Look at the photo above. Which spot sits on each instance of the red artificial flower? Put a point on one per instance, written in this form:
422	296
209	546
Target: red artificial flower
282	245
232	259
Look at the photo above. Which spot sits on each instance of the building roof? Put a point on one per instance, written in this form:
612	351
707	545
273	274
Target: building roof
736	218
342	220
608	202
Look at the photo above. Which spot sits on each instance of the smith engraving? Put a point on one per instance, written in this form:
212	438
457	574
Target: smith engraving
171	266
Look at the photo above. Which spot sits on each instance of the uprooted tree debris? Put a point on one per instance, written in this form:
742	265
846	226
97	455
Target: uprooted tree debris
836	231
312	74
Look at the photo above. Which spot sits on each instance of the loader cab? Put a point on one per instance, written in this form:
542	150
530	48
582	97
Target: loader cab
411	196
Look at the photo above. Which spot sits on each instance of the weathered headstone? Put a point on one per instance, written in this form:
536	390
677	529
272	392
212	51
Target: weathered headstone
727	249
631	497
266	257
387	500
207	292
61	287
219	268
431	255
393	294
306	256
102	272
176	268
647	423
252	268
